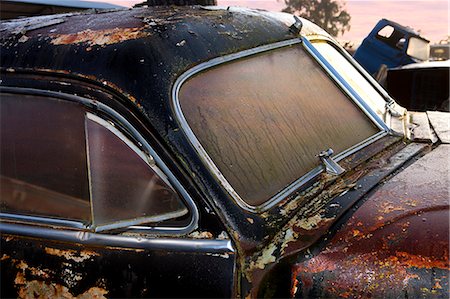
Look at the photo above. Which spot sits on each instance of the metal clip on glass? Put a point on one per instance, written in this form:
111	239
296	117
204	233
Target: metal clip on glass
330	165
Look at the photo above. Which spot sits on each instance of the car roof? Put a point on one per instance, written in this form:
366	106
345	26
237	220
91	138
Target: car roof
139	51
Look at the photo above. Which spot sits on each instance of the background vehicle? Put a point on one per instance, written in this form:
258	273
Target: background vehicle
393	45
397	57
208	152
421	86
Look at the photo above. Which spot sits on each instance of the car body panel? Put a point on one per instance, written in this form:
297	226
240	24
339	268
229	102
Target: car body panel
89	264
398	237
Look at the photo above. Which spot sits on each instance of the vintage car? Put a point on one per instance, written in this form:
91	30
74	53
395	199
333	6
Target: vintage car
211	152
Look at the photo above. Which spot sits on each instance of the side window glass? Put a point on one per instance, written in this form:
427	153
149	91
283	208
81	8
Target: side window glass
59	161
392	37
386	31
126	189
43	168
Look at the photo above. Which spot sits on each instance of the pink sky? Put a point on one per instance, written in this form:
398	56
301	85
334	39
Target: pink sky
431	17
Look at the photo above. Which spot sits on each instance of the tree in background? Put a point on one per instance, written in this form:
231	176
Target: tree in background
328	14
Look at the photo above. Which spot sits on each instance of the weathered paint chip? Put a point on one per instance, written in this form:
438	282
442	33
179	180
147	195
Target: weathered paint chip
71	254
100	37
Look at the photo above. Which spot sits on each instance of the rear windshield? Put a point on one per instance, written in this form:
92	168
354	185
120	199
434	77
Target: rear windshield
263	120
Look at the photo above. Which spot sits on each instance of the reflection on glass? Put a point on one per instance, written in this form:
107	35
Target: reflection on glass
353	77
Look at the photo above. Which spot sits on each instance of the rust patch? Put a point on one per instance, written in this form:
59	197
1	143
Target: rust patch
201	235
100	37
9	238
40	289
392	243
4	257
73	255
266	257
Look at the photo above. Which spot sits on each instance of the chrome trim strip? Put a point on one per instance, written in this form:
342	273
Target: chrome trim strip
88	238
302	180
344	85
132	223
97	106
42	220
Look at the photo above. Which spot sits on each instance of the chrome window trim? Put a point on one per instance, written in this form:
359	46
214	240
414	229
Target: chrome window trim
344	85
384	130
357	66
119	119
211	246
43	220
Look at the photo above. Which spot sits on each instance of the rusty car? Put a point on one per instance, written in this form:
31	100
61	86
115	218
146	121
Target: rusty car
211	152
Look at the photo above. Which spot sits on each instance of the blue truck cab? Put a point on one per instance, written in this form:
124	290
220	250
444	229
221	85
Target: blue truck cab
393	45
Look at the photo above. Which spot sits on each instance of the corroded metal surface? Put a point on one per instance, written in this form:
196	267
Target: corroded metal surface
395	245
37	268
135	56
315	219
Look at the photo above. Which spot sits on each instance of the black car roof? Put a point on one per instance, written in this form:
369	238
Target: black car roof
141	51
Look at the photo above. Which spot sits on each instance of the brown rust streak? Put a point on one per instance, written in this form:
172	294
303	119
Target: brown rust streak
100	37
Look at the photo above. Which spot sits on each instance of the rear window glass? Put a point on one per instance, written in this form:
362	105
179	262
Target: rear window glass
264	119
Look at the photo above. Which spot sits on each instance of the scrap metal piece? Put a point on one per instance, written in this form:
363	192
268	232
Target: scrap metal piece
421	130
440	121
330	165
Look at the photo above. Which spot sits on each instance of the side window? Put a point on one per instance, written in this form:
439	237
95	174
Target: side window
124	186
60	161
386	31
43	166
392	37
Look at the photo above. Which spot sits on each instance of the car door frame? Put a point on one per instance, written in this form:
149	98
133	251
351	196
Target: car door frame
73	242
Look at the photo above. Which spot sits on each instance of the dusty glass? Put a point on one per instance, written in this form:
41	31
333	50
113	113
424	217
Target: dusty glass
264	119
